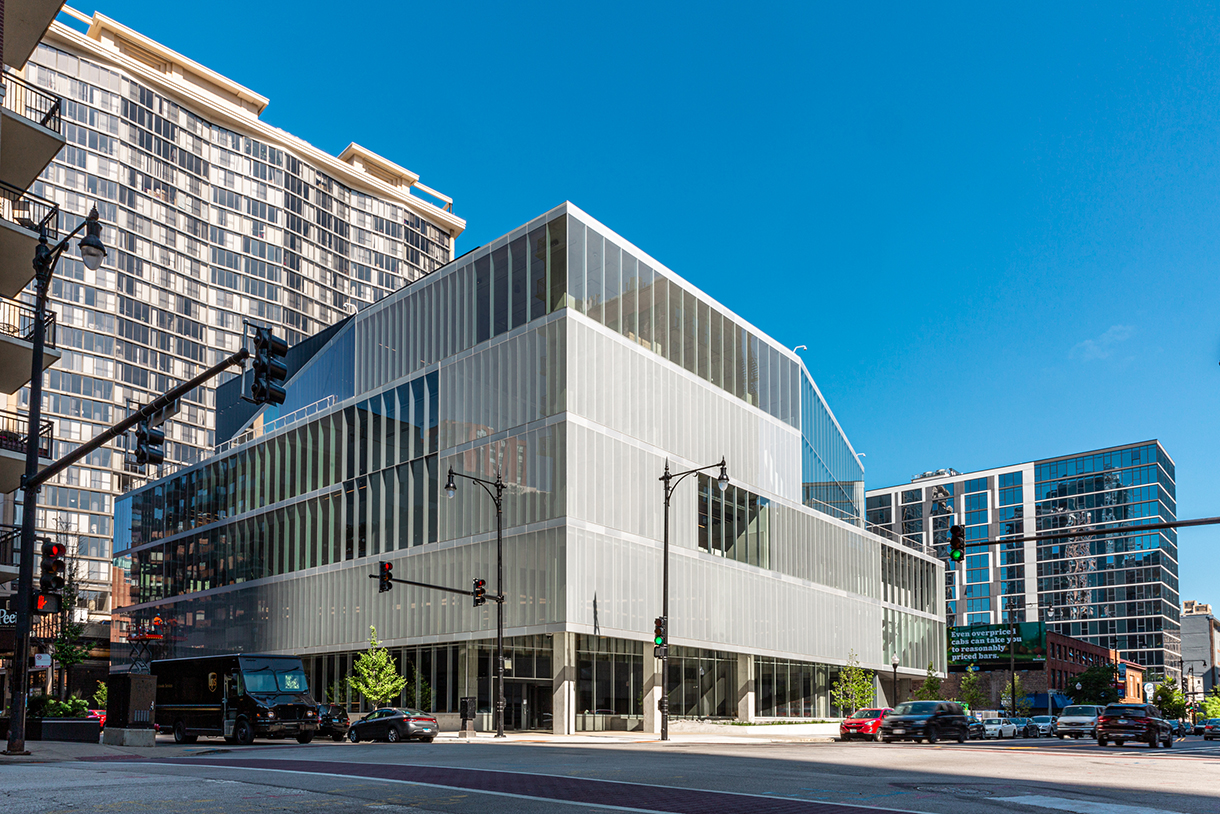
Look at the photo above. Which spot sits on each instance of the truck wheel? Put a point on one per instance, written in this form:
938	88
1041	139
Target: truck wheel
1153	740
304	737
931	735
243	732
180	735
392	735
1101	740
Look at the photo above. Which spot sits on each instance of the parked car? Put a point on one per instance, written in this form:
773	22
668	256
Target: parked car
975	728
1133	722
1078	721
925	720
863	723
1046	725
100	716
1197	727
333	721
1026	728
999	728
1211	729
394	724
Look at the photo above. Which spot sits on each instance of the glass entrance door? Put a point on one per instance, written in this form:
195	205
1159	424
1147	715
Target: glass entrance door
527	704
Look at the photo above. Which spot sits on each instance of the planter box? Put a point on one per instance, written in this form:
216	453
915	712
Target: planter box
76	730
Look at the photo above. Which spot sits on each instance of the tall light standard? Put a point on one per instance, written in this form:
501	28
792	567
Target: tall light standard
497	497
45	258
894	664
670	481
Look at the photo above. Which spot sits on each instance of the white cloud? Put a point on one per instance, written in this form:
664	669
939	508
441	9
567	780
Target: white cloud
1103	346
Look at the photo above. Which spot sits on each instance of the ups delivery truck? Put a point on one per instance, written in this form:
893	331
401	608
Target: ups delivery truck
239	697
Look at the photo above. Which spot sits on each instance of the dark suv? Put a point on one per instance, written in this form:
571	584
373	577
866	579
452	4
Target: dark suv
1133	722
925	720
333	721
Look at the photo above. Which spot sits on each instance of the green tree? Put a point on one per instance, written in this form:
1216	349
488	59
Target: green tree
69	650
1169	699
1096	686
1023	706
929	690
854	687
101	695
1211	703
376	673
971	692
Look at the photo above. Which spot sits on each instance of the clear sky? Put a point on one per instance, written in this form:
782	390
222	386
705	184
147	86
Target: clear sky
994	227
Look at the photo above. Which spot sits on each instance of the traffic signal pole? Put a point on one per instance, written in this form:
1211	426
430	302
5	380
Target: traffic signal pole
32	482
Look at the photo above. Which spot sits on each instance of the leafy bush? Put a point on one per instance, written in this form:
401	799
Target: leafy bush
41	706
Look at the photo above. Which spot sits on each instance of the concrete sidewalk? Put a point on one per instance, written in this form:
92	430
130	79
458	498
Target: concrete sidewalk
57	752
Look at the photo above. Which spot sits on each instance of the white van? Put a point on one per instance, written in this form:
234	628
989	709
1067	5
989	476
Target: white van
1077	721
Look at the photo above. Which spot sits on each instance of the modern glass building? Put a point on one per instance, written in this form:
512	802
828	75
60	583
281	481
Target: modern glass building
212	217
1117	589
573	364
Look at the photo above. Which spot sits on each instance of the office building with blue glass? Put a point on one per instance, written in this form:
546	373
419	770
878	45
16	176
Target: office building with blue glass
1117	588
576	366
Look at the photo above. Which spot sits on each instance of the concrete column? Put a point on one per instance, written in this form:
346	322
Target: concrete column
745	687
563	683
652	692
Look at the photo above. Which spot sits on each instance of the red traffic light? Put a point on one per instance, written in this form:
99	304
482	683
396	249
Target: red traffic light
54	550
385	577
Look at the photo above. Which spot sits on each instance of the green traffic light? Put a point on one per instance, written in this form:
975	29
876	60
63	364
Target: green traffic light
956	555
658	640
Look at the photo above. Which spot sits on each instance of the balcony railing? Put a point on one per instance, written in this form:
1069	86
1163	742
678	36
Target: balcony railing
29	211
17	320
28	101
14	430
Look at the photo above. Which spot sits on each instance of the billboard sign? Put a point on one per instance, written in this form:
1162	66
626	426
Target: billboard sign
988	645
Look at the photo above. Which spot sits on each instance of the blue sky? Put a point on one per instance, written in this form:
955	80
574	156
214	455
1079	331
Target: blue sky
994	227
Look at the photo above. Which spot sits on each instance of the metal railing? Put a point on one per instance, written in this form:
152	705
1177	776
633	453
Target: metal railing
278	423
29	102
884	531
29	211
17	320
14	430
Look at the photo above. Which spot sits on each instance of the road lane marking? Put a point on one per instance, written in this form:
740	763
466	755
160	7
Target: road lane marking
1079	806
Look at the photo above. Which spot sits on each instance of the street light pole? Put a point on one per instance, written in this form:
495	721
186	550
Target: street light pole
498	498
670	481
894	660
45	258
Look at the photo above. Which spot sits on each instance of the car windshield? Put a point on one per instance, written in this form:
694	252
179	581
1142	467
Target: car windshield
268	680
867	713
1042	719
1126	709
992	722
915	708
1080	711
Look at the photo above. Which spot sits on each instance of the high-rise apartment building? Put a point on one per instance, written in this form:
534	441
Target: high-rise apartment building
212	218
1201	644
1117	588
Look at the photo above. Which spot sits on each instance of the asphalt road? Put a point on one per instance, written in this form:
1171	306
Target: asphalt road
1038	776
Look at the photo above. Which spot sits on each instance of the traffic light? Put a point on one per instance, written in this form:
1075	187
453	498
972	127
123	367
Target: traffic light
480	592
269	368
658	638
385	575
53	567
150	444
957	543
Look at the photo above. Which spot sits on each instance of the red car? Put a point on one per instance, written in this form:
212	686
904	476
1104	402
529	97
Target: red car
863	723
99	714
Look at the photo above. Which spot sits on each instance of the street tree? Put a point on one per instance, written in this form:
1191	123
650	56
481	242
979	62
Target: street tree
69	649
1169	699
1023	707
854	687
376	676
1096	686
929	690
1211	703
971	692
